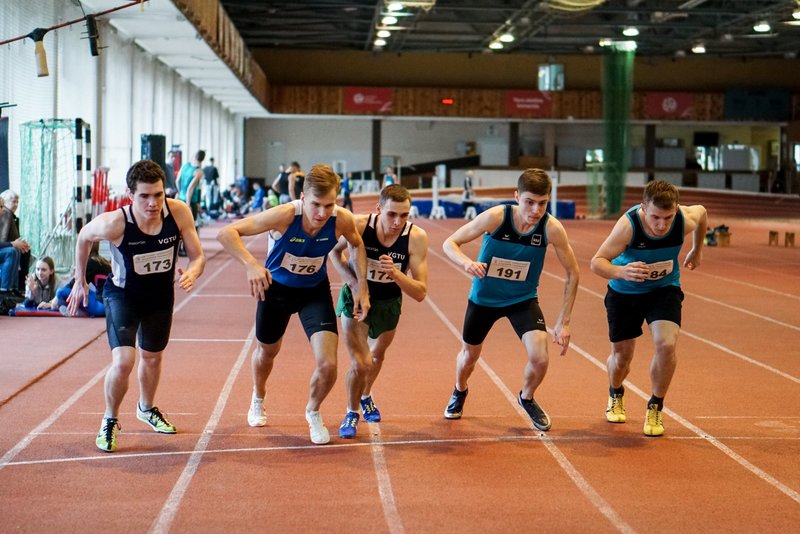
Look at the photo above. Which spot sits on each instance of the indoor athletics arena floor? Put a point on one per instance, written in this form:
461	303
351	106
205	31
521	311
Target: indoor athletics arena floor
729	460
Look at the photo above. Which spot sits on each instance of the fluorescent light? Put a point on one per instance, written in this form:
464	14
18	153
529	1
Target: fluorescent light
380	42
699	48
384	33
630	31
761	26
389	20
496	45
395	6
507	38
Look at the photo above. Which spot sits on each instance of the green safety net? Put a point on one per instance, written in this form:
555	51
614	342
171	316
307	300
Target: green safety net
47	182
617	91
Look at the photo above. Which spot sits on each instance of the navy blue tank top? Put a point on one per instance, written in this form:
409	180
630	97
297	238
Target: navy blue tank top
380	286
143	264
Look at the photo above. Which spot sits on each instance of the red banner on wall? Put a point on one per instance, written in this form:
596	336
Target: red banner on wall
669	106
528	103
367	100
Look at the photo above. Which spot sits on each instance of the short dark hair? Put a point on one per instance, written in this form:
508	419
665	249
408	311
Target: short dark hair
395	192
321	180
661	194
535	181
144	171
200	156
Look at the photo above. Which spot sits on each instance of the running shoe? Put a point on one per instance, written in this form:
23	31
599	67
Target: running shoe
107	437
257	415
615	412
653	422
349	426
155	419
319	434
538	416
456	405
371	413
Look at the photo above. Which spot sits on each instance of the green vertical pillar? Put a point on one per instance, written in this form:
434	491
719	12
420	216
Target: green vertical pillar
617	91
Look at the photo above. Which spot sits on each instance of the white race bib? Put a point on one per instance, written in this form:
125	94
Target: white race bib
516	271
374	273
658	270
302	265
153	262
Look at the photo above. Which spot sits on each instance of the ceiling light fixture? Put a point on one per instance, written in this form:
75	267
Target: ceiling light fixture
699	48
395	6
380	42
761	26
384	34
496	45
507	38
796	14
630	31
389	20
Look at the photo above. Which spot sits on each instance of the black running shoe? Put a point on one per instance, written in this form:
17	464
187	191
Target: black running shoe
538	416
456	405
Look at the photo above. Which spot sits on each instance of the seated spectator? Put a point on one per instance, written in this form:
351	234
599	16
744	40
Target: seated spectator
11	200
97	270
232	199
12	247
40	286
256	201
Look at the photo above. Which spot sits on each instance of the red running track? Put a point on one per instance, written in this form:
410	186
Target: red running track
728	461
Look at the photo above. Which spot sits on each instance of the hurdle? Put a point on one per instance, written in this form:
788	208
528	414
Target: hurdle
773	238
788	239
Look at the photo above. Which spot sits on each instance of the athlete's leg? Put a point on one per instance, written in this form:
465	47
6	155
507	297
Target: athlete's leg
261	365
149	377
378	348
465	363
324	345
662	367
619	361
535	342
355	337
116	382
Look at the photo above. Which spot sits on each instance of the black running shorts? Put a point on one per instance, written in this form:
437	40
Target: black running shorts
627	311
313	305
524	316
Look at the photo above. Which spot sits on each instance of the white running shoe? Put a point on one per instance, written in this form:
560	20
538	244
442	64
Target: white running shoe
319	434
257	416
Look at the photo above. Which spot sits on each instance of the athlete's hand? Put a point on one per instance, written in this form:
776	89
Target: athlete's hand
259	278
476	269
634	272
186	280
78	296
693	259
387	266
561	336
361	302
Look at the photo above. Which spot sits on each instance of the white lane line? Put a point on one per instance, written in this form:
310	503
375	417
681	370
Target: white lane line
744	311
760	473
748	284
58	412
707	341
205	340
741	356
633	438
580	482
390	512
171	505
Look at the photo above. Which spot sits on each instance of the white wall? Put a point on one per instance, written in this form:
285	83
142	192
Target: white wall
326	140
123	93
